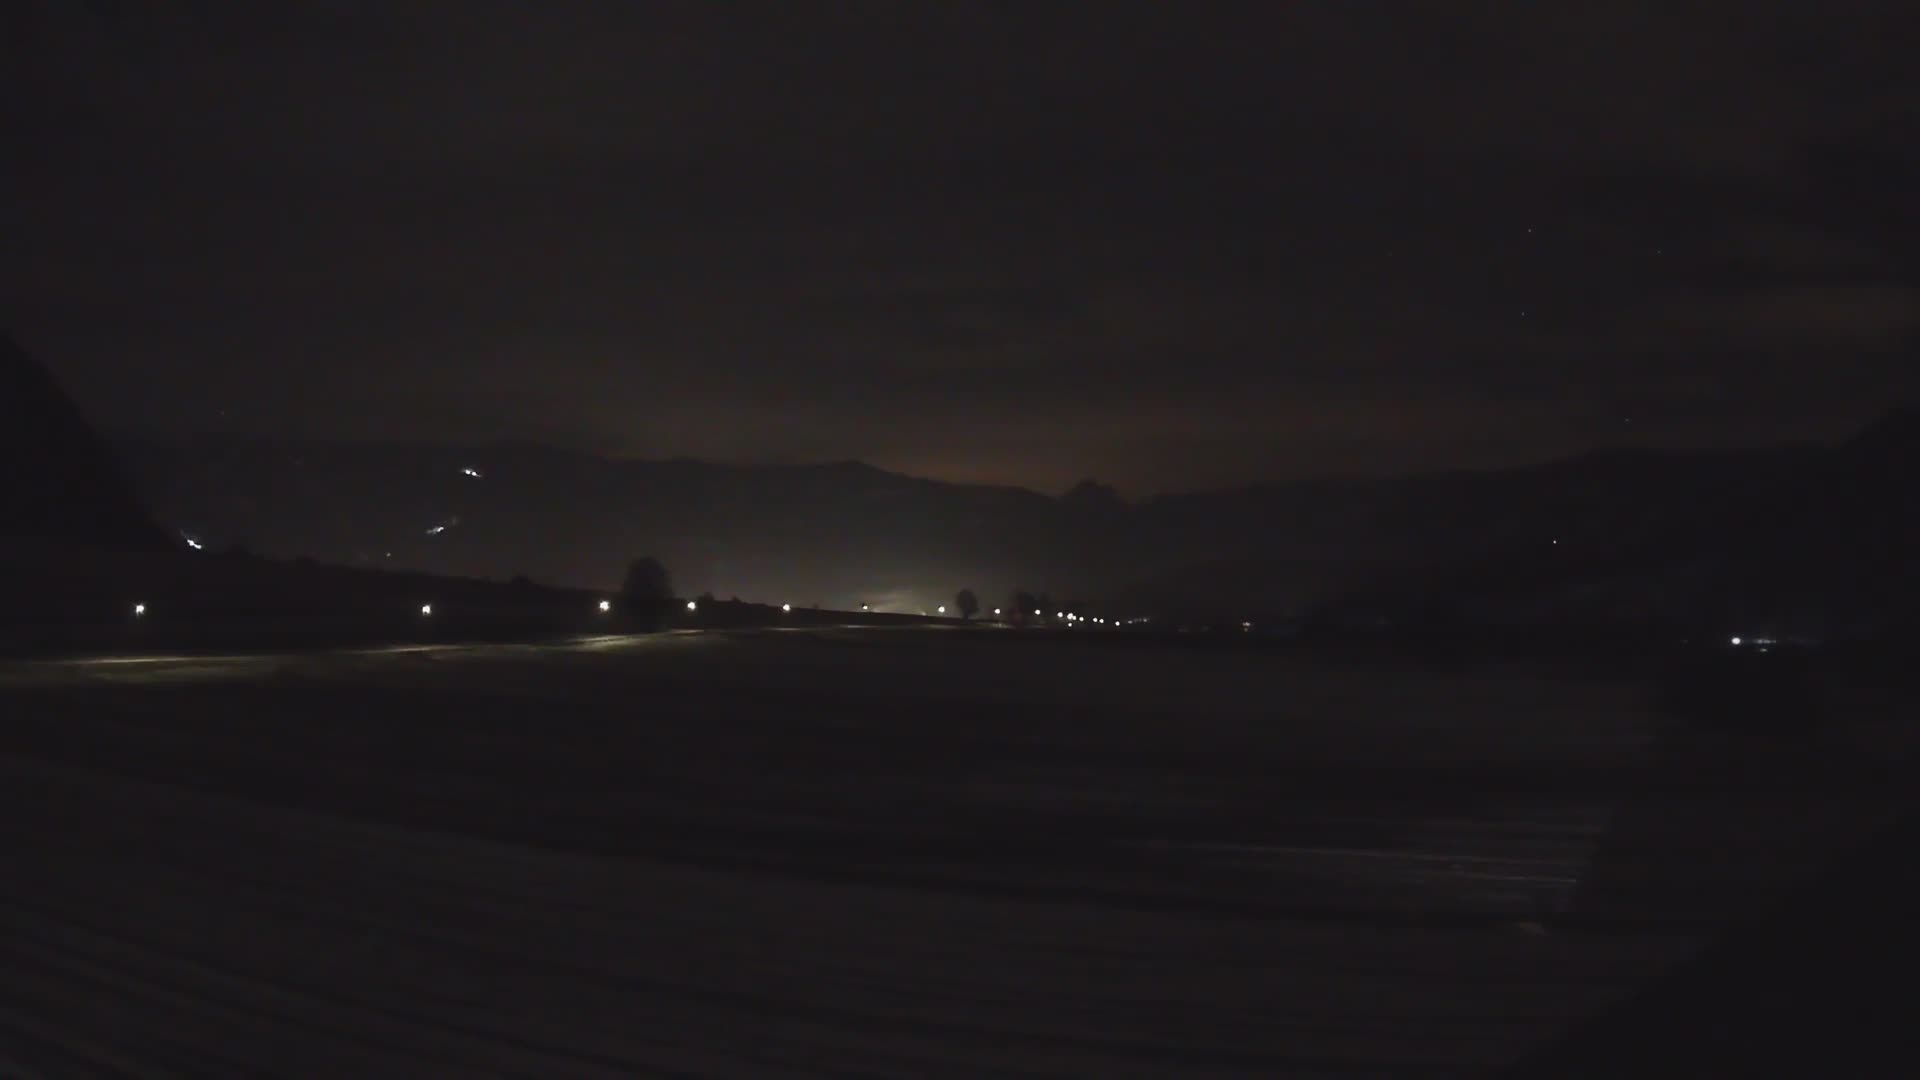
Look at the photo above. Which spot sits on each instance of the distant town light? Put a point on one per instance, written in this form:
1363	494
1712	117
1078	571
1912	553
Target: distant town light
1736	641
866	607
470	471
1036	613
606	605
943	609
192	543
139	610
786	607
436	530
692	606
996	611
1057	614
426	609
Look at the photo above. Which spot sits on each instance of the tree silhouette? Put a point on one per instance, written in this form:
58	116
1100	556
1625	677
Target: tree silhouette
967	603
647	589
1024	605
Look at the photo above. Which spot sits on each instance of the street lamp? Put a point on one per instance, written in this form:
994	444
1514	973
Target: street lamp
943	609
606	606
139	610
692	606
786	607
426	609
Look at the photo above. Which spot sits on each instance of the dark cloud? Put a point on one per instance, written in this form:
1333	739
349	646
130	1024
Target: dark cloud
1019	242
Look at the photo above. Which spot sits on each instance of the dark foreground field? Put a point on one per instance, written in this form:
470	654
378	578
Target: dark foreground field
883	853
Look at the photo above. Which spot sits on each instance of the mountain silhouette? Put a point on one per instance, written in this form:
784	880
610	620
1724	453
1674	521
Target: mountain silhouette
59	482
1094	497
1809	540
1815	533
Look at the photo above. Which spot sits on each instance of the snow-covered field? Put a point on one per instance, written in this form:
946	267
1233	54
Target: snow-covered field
888	853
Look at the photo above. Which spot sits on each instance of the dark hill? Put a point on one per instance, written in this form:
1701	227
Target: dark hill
59	483
1811	540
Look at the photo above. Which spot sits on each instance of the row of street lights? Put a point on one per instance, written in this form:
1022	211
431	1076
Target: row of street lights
606	607
426	610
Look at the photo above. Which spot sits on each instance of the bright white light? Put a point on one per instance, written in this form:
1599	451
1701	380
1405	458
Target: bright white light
691	606
943	609
996	611
786	607
192	543
1736	641
436	530
866	607
1059	614
426	609
606	605
1036	613
475	473
139	610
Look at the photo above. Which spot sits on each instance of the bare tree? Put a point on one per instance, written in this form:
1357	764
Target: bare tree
967	603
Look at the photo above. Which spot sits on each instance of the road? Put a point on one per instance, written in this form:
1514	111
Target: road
822	852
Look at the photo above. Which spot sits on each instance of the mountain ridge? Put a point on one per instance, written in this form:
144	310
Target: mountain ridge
848	532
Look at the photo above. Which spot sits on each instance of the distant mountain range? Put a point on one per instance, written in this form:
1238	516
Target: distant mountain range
1813	536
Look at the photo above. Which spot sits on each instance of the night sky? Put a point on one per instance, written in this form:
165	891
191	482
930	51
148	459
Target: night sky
1171	246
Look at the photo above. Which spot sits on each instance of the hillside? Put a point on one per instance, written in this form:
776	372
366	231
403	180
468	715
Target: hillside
1813	542
59	483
